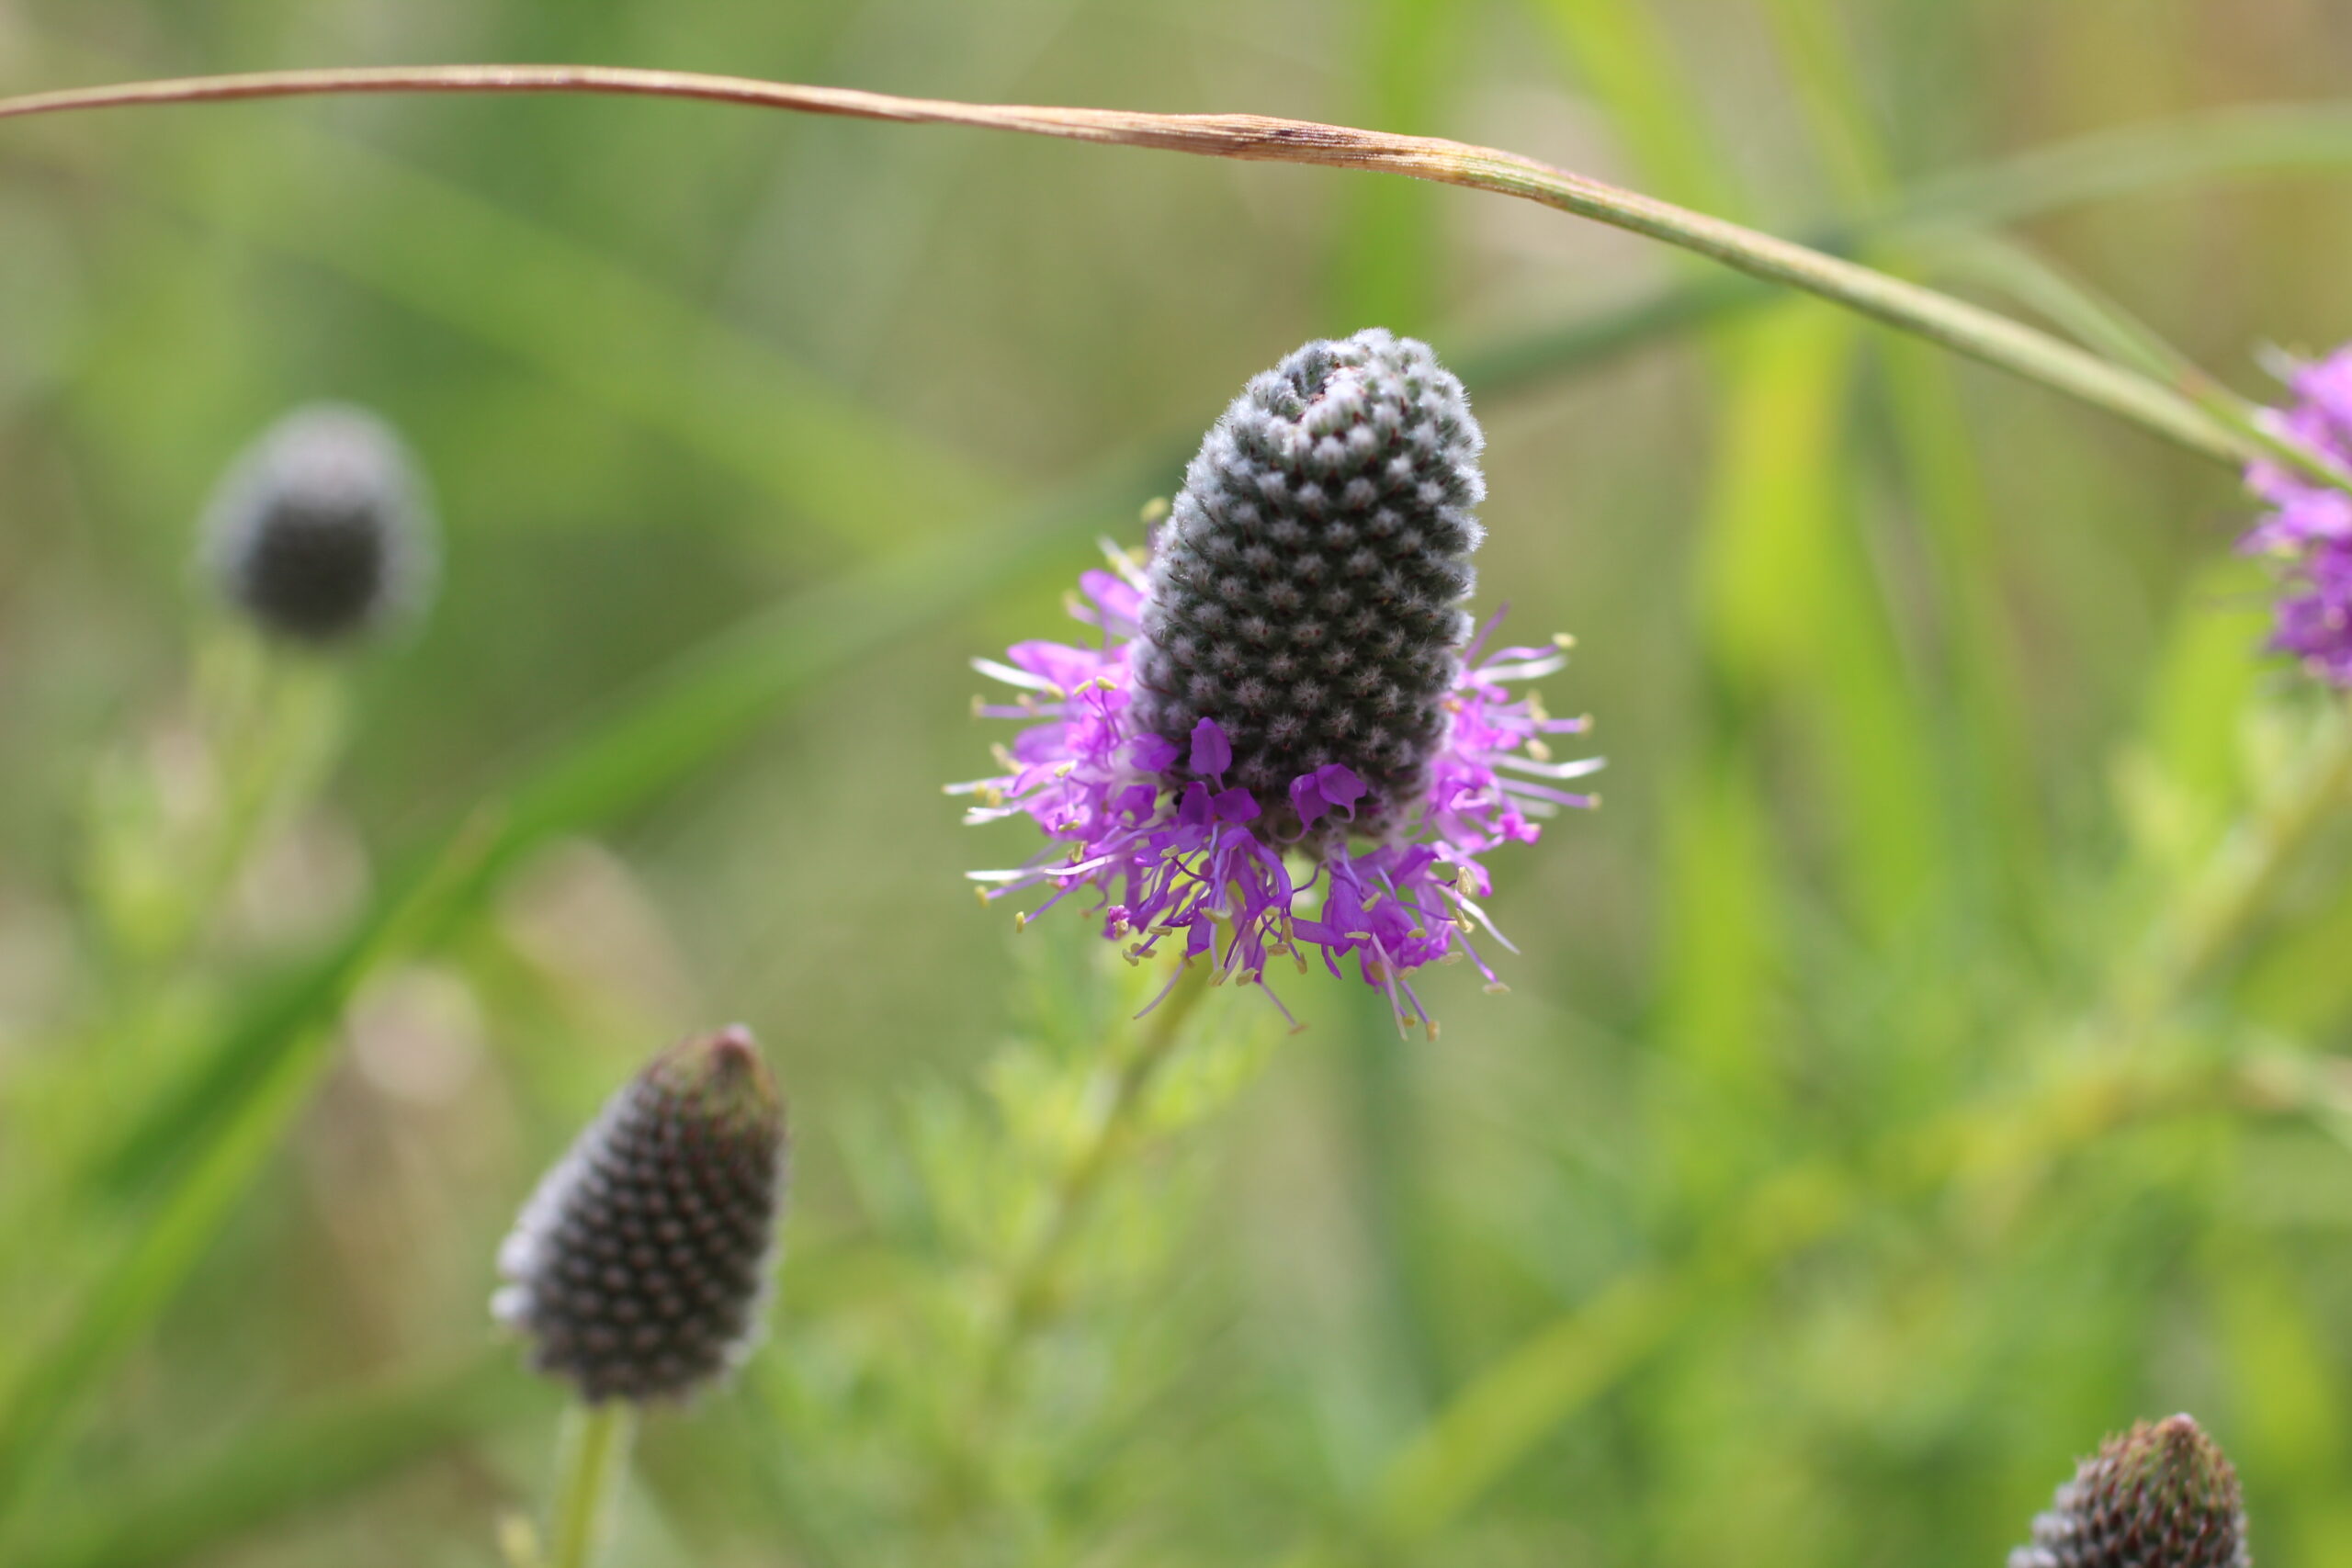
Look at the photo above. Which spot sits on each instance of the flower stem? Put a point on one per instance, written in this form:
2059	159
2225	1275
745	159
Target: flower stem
1982	334
591	1456
1029	1288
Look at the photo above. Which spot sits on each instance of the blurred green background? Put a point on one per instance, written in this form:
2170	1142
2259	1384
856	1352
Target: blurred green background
1926	1062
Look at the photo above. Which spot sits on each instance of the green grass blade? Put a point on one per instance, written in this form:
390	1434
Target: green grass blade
1384	263
2206	149
154	1253
2261	140
1621	51
1989	748
285	1468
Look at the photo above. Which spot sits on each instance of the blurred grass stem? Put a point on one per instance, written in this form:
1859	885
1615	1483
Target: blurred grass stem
591	1458
1939	318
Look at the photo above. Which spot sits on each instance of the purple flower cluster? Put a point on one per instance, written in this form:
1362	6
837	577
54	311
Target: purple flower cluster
2309	531
1178	857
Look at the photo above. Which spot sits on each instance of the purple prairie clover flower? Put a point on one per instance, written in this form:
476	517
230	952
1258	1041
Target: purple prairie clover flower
2309	530
1284	737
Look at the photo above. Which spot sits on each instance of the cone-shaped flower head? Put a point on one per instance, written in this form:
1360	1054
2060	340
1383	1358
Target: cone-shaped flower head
1306	591
2309	530
640	1268
320	531
2158	1497
1286	737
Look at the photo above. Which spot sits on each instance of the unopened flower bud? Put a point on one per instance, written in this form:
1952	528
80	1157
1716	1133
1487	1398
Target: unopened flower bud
2158	1497
320	531
640	1268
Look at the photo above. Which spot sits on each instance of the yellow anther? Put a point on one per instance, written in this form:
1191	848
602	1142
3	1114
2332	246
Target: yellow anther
1562	639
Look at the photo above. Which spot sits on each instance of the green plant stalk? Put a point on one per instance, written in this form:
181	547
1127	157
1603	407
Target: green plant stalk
1967	329
1122	1092
2113	331
592	1460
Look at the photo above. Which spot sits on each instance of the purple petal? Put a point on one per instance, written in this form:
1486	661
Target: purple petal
1337	784
1152	753
1212	752
1114	595
1067	667
1306	800
1234	806
1199	936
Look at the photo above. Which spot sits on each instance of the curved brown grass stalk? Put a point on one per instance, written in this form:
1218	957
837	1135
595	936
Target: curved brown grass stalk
1969	329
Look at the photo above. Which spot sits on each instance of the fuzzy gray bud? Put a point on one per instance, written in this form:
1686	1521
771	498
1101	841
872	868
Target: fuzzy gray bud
640	1268
1306	586
2157	1496
320	531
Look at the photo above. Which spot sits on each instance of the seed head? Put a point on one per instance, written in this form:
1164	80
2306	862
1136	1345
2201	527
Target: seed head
640	1268
320	531
1306	590
2158	1497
